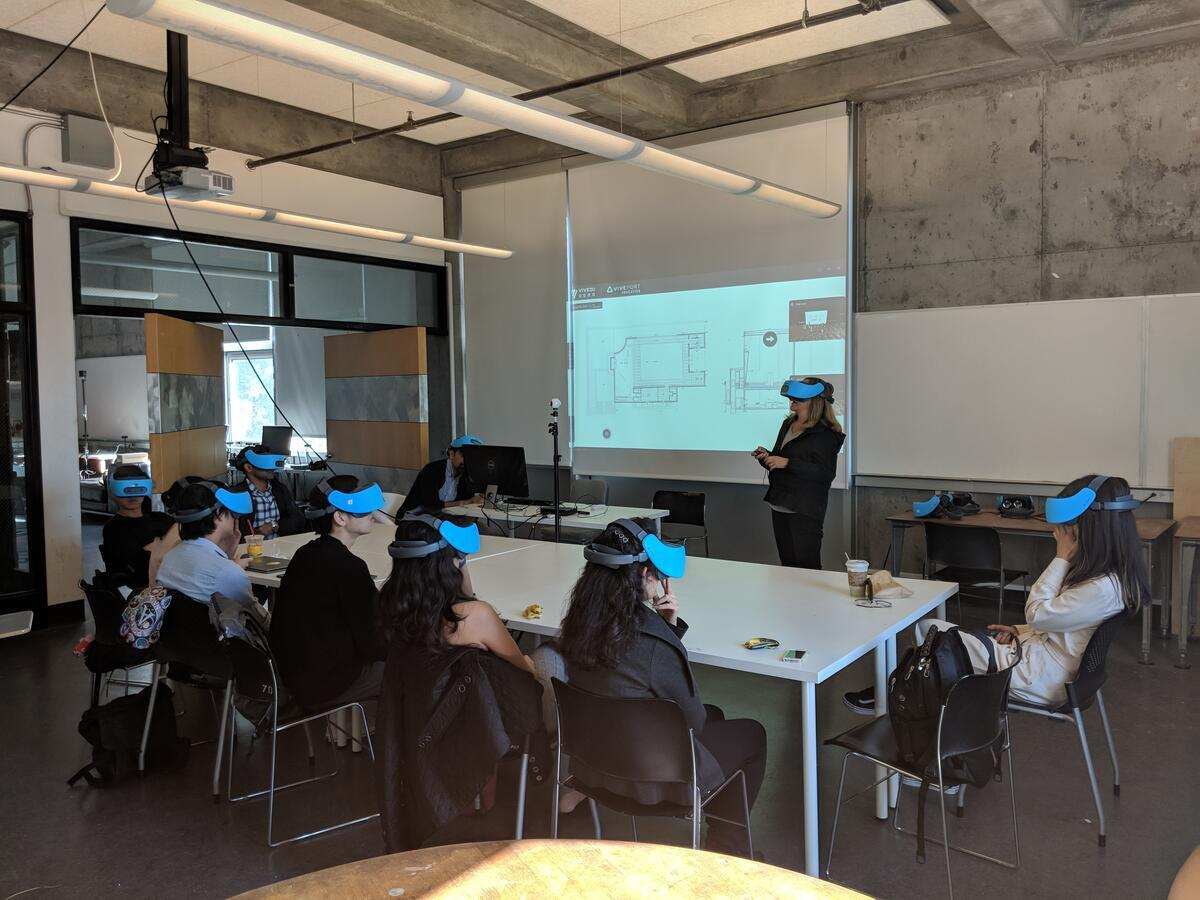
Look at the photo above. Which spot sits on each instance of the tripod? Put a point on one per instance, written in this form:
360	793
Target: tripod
552	430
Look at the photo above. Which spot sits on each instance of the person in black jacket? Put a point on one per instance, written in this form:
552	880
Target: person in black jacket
802	466
275	512
443	482
323	625
622	637
127	534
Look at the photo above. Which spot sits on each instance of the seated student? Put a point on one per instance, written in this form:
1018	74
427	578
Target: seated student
323	630
622	637
127	534
274	512
1097	573
442	483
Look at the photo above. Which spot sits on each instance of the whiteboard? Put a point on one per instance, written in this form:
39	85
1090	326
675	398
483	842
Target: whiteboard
1172	380
1021	392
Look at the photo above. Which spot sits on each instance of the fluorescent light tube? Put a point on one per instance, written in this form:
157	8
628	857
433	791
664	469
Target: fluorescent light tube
213	21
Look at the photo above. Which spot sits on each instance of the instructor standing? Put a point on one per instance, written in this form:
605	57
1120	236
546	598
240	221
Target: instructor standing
802	465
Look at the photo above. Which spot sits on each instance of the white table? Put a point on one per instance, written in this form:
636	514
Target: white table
510	519
372	549
727	602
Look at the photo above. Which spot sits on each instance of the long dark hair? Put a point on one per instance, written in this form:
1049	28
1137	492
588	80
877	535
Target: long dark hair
417	601
605	607
1108	544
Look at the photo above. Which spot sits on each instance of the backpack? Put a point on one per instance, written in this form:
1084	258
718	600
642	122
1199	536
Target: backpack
917	689
115	732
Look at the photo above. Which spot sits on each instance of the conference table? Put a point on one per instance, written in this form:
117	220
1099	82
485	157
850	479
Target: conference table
594	517
725	603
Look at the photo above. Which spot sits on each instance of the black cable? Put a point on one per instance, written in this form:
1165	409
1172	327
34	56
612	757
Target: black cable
57	57
229	325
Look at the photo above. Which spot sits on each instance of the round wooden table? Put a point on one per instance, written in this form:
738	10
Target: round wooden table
562	868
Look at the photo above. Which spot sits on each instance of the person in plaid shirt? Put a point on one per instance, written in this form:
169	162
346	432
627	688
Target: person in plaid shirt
274	512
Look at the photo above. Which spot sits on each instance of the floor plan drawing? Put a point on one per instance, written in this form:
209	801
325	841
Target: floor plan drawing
653	368
755	384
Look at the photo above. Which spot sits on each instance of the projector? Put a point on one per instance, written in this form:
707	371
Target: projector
189	183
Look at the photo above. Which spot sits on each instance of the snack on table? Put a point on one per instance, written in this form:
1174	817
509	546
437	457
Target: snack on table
533	611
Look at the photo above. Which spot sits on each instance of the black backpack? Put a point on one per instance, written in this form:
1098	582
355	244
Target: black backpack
917	689
115	732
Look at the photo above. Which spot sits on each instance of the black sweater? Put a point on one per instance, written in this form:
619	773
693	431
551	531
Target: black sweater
323	625
121	544
803	484
424	491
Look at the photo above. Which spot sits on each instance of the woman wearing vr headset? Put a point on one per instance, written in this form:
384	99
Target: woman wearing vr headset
622	637
801	467
127	537
1097	573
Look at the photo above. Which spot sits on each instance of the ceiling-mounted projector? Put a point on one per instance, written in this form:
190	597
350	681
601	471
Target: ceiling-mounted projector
189	183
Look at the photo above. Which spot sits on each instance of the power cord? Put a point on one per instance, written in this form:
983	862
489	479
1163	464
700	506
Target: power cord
57	57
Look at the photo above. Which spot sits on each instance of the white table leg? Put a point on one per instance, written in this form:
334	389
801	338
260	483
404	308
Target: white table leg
894	781
808	715
881	673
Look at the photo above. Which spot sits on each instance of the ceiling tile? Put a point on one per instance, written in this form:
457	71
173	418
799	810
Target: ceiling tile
15	11
614	16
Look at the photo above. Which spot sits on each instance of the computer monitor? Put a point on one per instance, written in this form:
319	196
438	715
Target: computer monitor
498	468
278	438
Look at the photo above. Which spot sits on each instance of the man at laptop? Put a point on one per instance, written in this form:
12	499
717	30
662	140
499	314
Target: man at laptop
444	482
323	630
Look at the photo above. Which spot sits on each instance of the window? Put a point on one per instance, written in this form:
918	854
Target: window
338	290
248	405
10	281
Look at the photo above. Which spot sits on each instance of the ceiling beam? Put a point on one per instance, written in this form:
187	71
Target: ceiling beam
1026	25
506	47
219	117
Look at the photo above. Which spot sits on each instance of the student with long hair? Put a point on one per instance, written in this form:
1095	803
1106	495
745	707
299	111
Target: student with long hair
801	467
1097	573
622	637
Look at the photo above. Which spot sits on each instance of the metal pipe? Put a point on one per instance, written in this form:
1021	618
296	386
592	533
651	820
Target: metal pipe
412	124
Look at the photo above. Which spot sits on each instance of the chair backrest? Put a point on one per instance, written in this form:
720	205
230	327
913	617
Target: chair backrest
1091	675
955	545
106	605
686	507
548	664
973	715
626	738
589	490
254	676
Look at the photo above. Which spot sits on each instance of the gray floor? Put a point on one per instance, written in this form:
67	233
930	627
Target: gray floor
163	836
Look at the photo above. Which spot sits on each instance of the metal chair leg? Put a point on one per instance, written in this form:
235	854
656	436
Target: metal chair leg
1112	748
961	806
595	818
695	819
226	705
945	830
746	814
1000	604
155	677
1091	770
520	828
633	827
837	811
1012	792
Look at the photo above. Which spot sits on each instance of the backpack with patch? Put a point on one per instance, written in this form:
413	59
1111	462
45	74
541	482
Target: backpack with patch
143	616
115	732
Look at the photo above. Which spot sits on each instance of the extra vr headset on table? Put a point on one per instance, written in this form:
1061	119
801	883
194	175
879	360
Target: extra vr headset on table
124	481
798	390
1061	510
463	538
668	558
953	505
362	502
237	502
1015	506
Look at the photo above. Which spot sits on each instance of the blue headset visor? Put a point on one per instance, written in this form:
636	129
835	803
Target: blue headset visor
265	462
798	390
923	508
668	558
237	502
463	538
465	440
1061	510
365	500
130	487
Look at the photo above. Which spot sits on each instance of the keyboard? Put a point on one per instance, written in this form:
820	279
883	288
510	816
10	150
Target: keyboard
526	501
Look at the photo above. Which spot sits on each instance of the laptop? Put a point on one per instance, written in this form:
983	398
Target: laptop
268	564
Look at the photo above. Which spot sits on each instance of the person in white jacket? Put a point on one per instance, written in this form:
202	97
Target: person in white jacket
1097	573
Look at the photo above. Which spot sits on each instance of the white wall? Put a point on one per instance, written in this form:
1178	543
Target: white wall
116	395
283	187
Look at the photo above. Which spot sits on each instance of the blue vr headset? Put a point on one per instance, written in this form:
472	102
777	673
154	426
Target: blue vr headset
130	486
1061	510
670	559
265	462
362	502
923	508
237	502
465	440
798	390
463	538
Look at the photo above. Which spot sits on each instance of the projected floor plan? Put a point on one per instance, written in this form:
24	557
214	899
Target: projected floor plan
652	369
755	384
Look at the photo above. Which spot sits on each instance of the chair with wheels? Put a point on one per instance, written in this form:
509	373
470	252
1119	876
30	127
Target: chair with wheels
971	557
634	742
973	717
1080	694
255	693
686	519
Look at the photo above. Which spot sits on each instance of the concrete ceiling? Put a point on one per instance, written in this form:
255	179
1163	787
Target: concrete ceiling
257	106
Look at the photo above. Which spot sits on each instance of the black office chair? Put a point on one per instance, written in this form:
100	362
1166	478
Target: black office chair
109	652
255	692
971	557
973	717
633	741
1080	694
686	519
